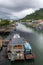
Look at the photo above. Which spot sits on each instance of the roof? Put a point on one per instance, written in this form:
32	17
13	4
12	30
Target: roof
16	36
27	46
38	21
20	41
17	41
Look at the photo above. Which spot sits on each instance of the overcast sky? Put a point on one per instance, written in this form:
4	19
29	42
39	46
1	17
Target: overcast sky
13	9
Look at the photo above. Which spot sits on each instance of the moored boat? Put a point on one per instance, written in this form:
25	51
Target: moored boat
19	49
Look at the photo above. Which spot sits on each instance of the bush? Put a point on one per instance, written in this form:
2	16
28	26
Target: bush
4	23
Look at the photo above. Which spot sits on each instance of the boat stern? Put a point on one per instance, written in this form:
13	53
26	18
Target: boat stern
31	56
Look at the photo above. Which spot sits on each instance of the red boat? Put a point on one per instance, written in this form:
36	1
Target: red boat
28	51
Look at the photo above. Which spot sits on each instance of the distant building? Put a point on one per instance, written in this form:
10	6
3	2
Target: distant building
11	20
38	21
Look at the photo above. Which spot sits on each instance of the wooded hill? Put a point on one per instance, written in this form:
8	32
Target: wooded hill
36	15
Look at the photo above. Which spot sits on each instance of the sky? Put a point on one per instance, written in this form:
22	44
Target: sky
16	9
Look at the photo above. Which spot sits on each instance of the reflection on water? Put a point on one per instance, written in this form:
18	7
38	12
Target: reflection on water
25	62
23	28
4	35
40	42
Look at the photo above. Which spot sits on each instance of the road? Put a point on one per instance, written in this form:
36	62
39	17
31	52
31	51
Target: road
36	41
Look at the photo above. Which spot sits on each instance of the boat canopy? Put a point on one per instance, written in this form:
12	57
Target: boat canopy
17	41
27	46
16	36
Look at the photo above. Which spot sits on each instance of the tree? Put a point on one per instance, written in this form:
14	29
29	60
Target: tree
4	22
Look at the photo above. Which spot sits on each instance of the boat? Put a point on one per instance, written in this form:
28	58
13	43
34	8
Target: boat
28	51
19	49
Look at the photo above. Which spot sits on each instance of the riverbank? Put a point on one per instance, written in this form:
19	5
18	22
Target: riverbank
34	28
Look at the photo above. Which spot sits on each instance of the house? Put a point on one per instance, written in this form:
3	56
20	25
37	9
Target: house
38	21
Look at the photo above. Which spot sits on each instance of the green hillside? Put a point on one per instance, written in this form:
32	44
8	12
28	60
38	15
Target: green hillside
36	15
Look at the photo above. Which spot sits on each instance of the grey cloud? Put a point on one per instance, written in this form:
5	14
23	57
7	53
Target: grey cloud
4	15
9	6
19	5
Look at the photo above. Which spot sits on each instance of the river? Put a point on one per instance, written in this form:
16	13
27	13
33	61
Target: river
36	41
